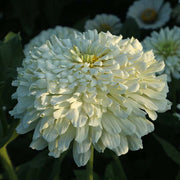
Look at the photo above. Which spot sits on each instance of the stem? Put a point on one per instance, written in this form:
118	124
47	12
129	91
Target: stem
90	165
6	163
122	174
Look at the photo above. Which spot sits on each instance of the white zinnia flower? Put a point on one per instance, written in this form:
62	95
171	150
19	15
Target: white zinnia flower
59	31
104	22
150	14
91	90
166	46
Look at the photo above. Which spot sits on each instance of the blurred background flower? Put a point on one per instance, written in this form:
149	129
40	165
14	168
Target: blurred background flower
104	23
166	47
150	14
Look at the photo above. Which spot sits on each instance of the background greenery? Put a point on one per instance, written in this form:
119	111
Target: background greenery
160	157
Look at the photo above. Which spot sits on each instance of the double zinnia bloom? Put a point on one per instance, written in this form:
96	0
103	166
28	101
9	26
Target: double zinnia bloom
166	47
88	89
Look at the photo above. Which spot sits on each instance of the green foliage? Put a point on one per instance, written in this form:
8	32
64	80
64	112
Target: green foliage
11	55
57	167
178	175
82	175
114	171
169	149
79	25
29	18
22	9
130	28
33	166
10	135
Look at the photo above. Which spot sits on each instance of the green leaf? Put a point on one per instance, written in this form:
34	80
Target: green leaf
32	172
109	173
11	56
169	149
39	160
82	174
168	119
1	129
33	167
119	168
11	134
56	170
178	175
114	171
177	84
3	122
130	28
2	83
1	177
9	36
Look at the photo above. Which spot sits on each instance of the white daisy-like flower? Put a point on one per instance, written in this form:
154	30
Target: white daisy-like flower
166	47
150	14
60	31
104	23
92	90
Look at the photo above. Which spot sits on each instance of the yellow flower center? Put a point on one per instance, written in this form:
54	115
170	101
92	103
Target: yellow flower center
104	28
89	58
94	59
168	48
149	16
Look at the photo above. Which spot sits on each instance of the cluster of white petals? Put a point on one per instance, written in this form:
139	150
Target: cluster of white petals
89	90
150	14
166	47
59	31
104	23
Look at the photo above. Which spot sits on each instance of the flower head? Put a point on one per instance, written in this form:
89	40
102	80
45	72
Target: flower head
166	47
150	14
92	90
104	22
